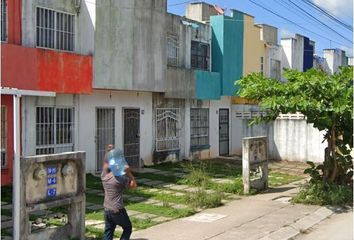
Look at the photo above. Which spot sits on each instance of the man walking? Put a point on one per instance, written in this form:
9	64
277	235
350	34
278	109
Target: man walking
116	177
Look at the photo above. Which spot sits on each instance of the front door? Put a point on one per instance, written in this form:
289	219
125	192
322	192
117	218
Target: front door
132	136
105	129
223	132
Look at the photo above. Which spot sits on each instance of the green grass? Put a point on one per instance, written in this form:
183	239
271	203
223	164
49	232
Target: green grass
165	211
6	194
152	176
6	212
95	215
142	223
142	191
93	181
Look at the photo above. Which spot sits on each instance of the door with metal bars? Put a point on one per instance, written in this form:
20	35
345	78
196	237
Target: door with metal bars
223	132
132	136
105	133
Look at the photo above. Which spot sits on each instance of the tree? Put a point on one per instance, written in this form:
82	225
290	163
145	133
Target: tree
326	101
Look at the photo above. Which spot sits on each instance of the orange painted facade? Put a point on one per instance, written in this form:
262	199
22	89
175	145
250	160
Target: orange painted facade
45	70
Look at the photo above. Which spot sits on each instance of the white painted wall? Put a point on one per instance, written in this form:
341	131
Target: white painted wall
117	100
293	52
292	140
214	106
29	105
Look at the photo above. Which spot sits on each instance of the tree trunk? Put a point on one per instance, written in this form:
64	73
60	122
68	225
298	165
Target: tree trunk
333	150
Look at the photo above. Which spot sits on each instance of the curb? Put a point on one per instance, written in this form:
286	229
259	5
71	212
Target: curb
301	225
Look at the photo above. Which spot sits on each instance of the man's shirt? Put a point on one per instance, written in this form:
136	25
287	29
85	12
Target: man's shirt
113	190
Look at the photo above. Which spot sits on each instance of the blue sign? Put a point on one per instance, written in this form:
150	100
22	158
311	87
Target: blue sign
51	192
51	170
52	180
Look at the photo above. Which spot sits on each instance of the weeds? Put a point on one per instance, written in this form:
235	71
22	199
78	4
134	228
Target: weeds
321	193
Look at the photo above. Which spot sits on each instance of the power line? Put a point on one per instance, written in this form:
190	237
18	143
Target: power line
288	20
317	20
181	3
327	14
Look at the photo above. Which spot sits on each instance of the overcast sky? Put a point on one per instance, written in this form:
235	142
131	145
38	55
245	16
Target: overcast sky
342	9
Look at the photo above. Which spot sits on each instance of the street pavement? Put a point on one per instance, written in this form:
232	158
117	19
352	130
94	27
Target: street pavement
264	216
338	227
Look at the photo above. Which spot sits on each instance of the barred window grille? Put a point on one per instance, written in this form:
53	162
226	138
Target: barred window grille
199	127
55	29
200	54
167	129
172	50
3	136
3	20
54	130
275	69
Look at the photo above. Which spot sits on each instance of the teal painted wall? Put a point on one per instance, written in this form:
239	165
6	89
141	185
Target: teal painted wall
227	50
207	85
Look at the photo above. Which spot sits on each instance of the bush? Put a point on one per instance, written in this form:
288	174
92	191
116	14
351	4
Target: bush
322	193
197	176
202	199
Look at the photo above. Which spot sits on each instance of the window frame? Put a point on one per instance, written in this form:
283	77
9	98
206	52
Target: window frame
175	61
56	29
199	125
4	137
45	148
205	58
262	65
166	139
6	21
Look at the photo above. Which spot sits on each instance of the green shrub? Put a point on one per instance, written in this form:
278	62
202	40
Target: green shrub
197	177
202	199
322	193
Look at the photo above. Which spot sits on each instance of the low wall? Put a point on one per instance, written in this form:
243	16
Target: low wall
290	138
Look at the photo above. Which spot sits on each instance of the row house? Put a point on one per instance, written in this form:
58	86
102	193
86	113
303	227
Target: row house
157	85
45	51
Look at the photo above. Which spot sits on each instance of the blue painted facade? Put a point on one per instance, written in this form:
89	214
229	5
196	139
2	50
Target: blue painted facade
227	49
207	85
308	54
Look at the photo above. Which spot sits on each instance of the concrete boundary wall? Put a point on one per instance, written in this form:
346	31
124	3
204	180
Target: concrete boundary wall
289	139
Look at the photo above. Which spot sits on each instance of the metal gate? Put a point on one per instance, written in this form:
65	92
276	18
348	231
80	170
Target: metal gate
223	132
132	136
105	129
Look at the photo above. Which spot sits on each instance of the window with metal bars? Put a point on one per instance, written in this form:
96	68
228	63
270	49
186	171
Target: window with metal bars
200	55
3	20
54	130
167	129
172	50
199	127
55	29
262	65
3	136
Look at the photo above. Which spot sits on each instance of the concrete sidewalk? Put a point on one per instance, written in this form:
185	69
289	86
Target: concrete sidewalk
264	216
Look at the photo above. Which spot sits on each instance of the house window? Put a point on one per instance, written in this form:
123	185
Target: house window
275	69
3	20
167	129
200	55
172	50
55	29
3	136
54	130
262	65
199	127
